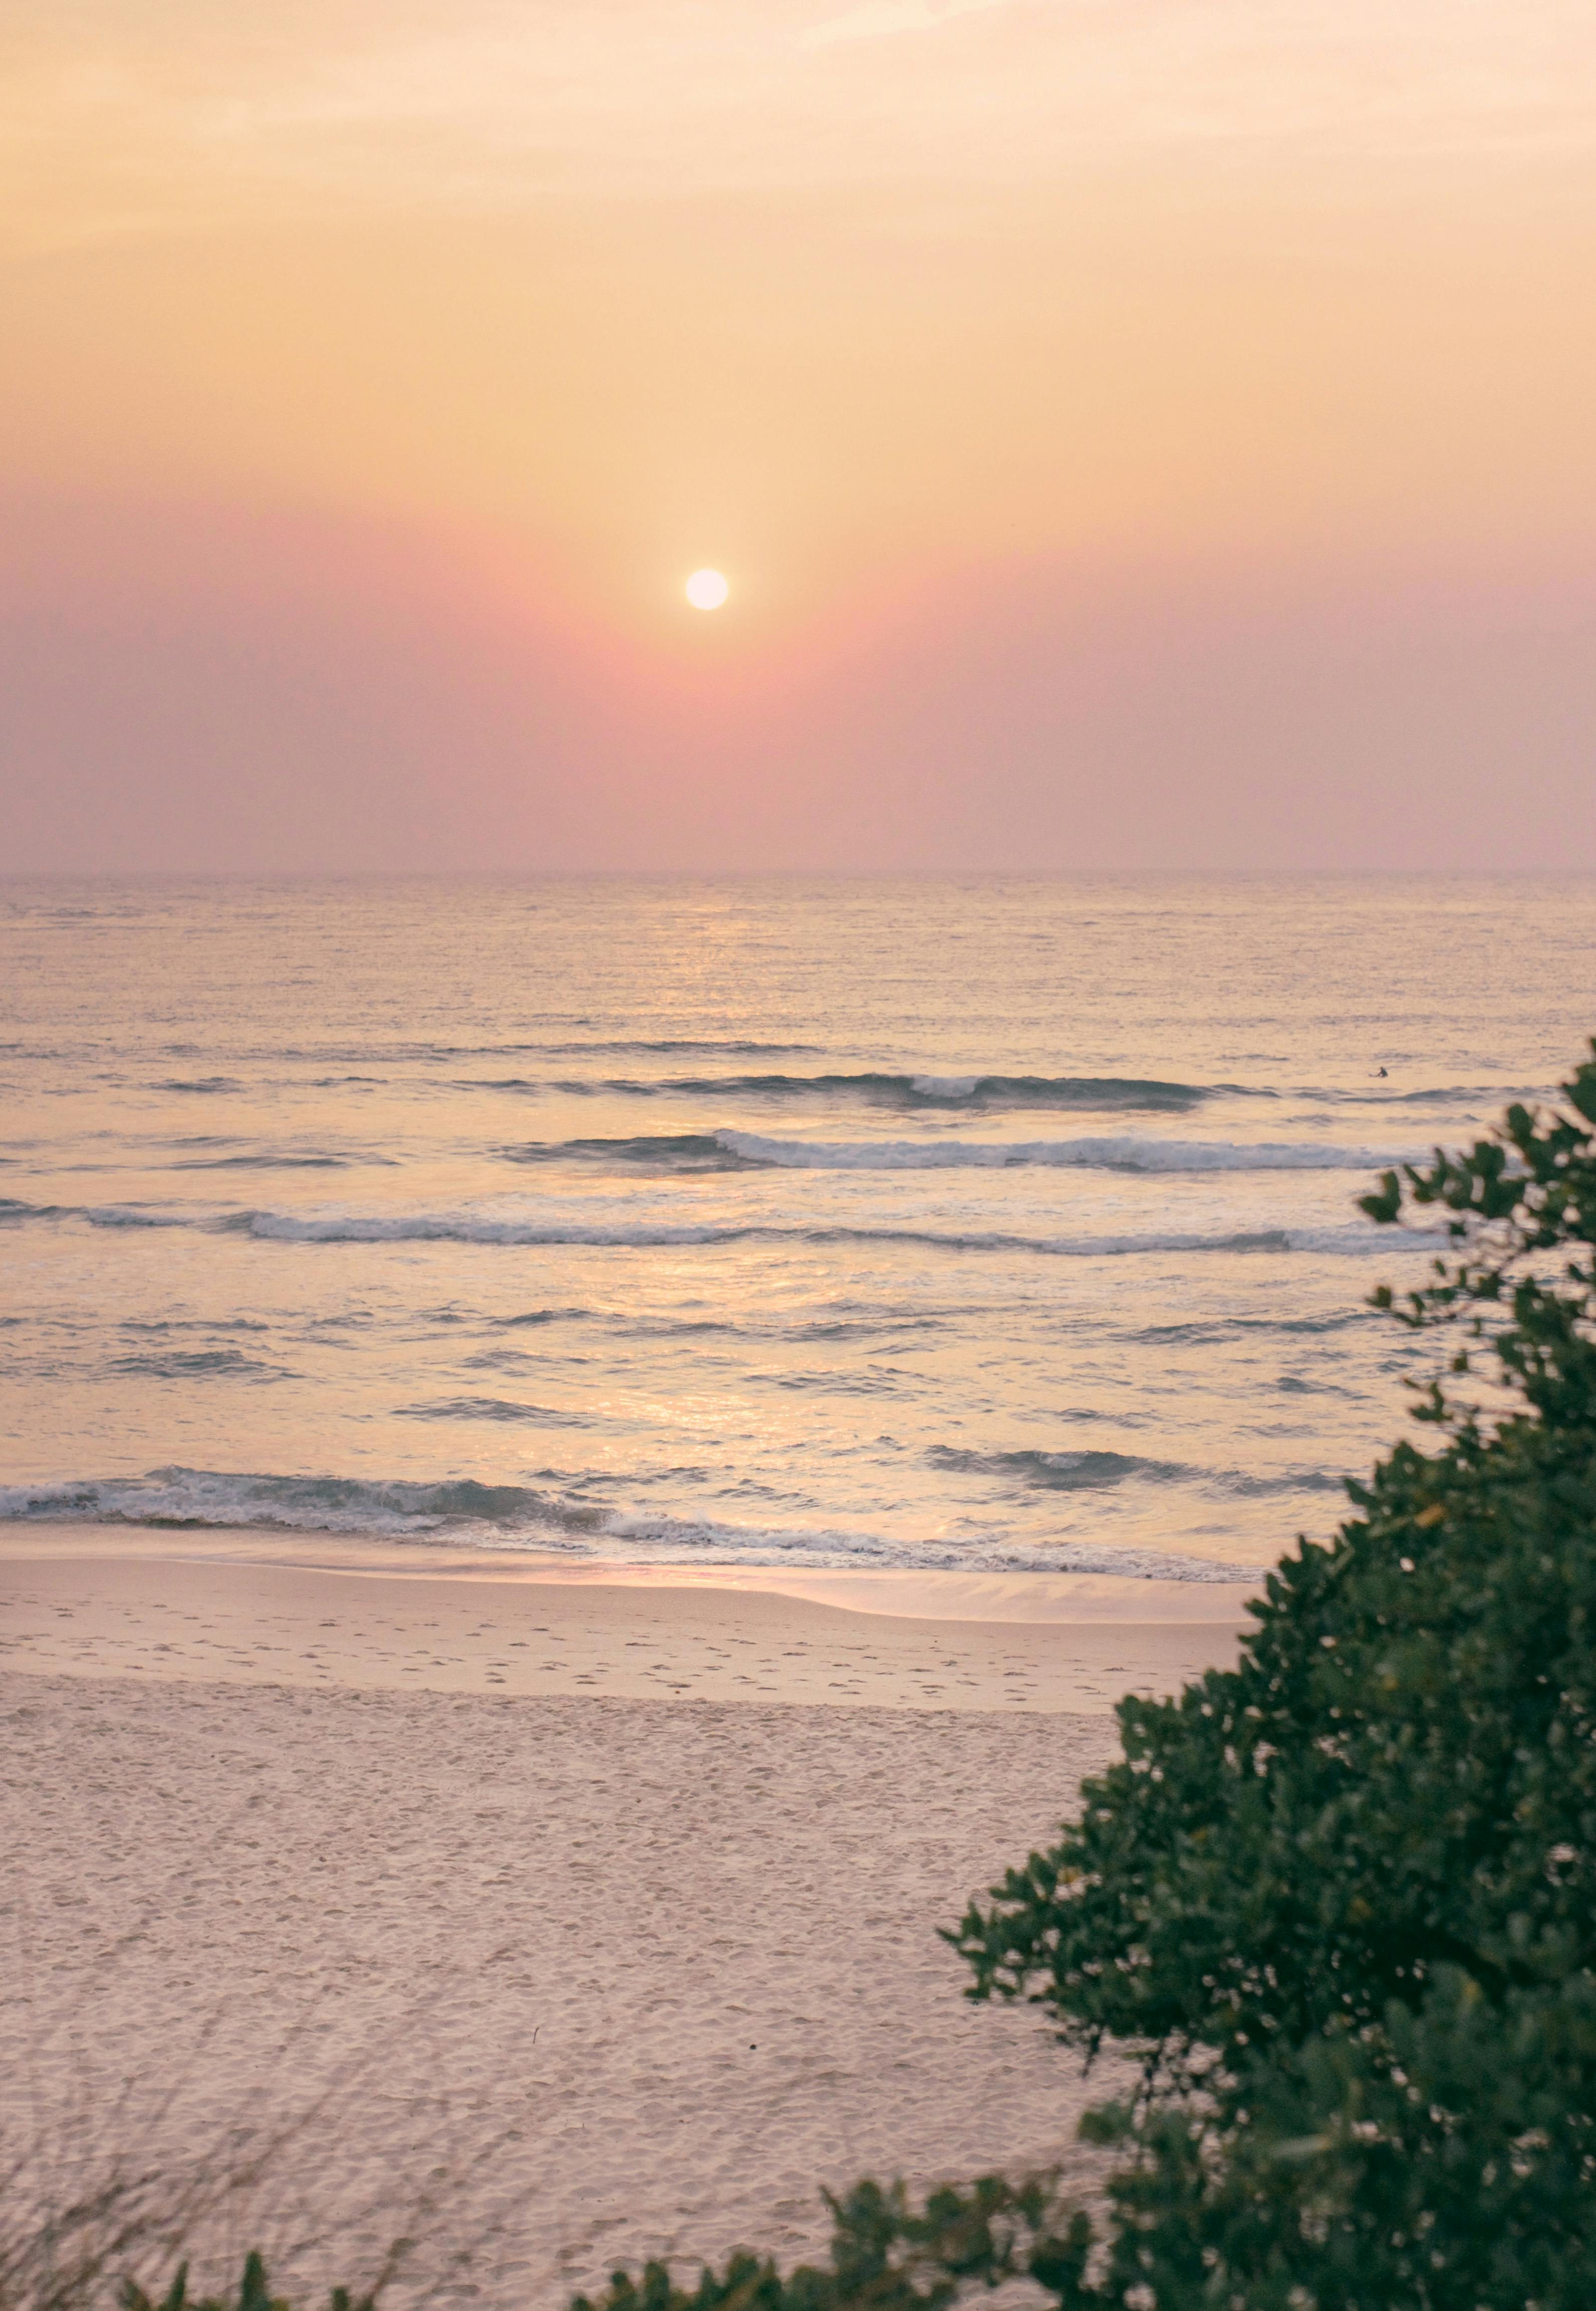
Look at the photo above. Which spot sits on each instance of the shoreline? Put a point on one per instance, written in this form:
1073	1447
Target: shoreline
922	1593
89	1602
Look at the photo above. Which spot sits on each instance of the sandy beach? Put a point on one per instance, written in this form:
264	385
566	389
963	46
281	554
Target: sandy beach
559	1922
319	1610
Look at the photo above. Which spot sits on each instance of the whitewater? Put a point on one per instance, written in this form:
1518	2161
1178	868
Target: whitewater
983	1224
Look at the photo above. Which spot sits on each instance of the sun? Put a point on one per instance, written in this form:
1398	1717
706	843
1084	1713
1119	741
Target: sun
707	590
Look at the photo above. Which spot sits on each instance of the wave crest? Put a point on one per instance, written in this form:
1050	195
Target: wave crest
726	1149
493	1225
1117	1155
521	1516
880	1087
1096	1470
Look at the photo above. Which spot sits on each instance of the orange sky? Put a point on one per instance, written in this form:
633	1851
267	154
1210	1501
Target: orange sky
1137	433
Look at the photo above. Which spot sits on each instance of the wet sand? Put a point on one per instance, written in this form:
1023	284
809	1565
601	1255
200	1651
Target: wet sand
106	1604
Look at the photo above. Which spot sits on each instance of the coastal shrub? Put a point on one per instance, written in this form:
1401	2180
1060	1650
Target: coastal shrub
254	2294
1341	1899
886	2254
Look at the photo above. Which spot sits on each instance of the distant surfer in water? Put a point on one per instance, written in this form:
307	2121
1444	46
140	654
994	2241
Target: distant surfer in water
1380	1071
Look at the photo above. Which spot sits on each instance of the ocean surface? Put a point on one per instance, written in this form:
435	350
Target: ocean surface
998	1222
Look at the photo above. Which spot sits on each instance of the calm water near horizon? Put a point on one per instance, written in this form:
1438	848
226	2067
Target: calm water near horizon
997	1223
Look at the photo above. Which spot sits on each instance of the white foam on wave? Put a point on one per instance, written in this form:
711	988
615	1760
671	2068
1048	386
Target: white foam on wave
513	1222
488	1228
1122	1153
528	1225
947	1087
511	1517
682	1540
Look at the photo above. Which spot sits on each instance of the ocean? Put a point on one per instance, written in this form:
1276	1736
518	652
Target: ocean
998	1222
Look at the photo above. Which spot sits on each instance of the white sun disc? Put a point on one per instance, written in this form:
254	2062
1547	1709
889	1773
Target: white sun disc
707	590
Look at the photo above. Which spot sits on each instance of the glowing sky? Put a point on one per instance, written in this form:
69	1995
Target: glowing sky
1136	431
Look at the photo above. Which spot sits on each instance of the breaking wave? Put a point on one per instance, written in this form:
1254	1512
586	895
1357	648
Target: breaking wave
491	1407
12	1210
493	1225
271	1163
726	1149
491	1228
198	1363
660	1151
1097	1471
523	1516
879	1087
